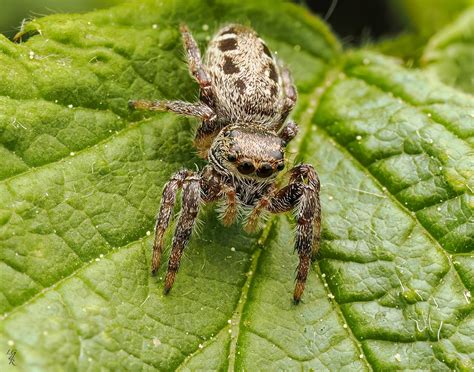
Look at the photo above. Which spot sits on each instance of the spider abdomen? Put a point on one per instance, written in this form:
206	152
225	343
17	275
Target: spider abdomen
245	77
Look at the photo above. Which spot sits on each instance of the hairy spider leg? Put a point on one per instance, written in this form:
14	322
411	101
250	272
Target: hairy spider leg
197	70
184	227
290	94
203	109
230	211
302	195
262	204
289	131
308	228
164	215
199	110
195	61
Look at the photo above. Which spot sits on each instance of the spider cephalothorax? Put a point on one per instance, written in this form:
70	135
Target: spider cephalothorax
248	151
245	99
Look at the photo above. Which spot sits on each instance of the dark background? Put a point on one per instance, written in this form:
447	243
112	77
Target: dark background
357	21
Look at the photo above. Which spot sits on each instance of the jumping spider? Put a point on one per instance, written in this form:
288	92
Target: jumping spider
245	98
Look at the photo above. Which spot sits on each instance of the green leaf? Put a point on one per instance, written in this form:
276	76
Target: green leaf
406	46
81	183
450	53
427	17
14	12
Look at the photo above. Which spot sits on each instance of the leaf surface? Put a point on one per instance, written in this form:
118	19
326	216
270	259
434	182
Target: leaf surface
81	183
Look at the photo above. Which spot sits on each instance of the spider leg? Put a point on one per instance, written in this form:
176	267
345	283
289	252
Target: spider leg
164	216
230	211
289	131
290	94
199	110
205	135
202	109
209	127
290	90
184	227
252	221
301	195
308	231
206	132
262	204
194	59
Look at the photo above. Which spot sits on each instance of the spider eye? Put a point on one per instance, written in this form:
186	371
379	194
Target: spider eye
229	133
265	170
232	158
280	166
246	167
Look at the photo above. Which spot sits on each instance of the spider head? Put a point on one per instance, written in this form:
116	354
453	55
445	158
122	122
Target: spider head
248	151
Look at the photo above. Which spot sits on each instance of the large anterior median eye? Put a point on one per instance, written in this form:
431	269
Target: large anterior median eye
246	167
265	170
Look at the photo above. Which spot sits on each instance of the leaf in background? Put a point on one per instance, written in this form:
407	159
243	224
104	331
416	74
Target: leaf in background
427	17
450	53
81	182
406	46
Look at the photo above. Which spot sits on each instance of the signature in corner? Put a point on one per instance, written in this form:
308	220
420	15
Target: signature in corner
11	356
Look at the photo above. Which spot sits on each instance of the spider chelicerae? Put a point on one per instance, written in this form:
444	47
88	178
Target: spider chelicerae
245	99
